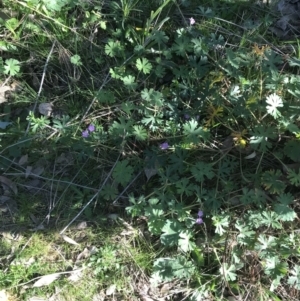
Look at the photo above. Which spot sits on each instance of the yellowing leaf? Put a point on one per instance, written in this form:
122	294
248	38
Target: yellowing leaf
238	138
213	114
217	77
259	51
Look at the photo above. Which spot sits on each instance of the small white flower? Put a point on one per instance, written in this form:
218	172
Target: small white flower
192	21
273	102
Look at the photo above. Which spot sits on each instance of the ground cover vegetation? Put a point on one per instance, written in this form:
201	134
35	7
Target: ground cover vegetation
150	150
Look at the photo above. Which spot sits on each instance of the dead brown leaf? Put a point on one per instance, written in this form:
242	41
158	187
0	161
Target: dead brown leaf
9	184
81	225
46	280
69	240
86	253
46	109
76	275
28	171
3	89
23	159
38	170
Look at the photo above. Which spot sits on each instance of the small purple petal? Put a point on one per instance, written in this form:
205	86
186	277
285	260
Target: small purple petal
85	134
200	213
164	146
91	128
187	116
199	221
192	21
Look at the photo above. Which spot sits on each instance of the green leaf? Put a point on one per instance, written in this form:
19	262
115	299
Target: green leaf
105	97
270	219
155	214
294	280
271	60
151	121
265	242
246	235
160	37
293	61
232	58
123	128
294	177
160	71
166	269
260	137
285	199
228	272
276	270
182	45
177	160
248	196
193	132
76	60
137	207
200	48
1	64
291	149
202	170
129	82
140	132
127	107
184	186
220	221
109	192
143	65
122	173
117	72
171	231
285	213
12	67
55	5
114	49
12	24
185	242
152	96
271	179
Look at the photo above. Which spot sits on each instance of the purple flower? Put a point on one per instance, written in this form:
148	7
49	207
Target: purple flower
85	134
187	116
164	146
192	21
91	128
199	220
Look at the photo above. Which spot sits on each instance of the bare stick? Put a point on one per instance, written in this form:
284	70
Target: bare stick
116	200
94	196
41	85
106	80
